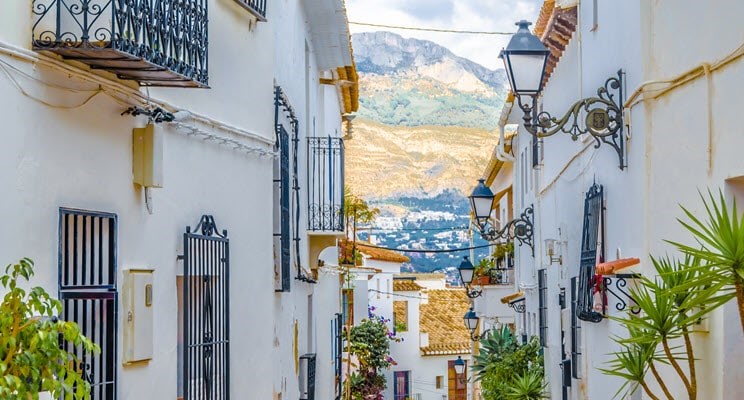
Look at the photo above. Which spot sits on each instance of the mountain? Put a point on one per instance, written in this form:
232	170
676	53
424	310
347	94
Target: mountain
413	82
388	162
423	135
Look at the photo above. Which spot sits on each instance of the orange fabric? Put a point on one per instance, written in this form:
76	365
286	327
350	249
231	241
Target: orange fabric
610	267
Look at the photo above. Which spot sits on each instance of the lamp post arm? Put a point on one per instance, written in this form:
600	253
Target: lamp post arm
600	116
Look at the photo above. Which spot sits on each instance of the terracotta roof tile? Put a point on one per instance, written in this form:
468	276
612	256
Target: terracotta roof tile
555	26
513	296
441	318
405	285
375	253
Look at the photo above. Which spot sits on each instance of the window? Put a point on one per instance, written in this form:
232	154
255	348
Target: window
348	306
402	385
307	377
400	315
575	331
337	344
87	289
439	381
591	237
282	252
457	384
542	287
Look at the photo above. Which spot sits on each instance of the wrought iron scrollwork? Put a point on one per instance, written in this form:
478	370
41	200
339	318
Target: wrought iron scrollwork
169	34
520	229
208	227
600	116
519	306
621	295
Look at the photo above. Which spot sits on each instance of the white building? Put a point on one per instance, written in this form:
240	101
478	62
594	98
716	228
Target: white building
429	318
164	235
682	69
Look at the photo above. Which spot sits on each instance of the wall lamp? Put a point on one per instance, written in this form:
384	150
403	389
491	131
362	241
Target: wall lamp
550	246
467	270
471	320
459	366
482	202
525	59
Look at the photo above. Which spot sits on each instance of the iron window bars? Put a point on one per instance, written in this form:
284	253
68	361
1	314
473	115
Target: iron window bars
325	177
284	113
575	330
155	42
255	7
542	287
592	234
87	263
307	376
337	329
206	315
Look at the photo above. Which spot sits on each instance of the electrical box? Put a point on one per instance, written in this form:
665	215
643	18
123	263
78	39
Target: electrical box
138	315
147	156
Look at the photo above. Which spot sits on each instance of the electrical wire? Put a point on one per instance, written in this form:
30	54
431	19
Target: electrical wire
438	30
396	294
23	91
424	250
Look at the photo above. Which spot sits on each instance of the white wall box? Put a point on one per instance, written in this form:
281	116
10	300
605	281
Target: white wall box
138	315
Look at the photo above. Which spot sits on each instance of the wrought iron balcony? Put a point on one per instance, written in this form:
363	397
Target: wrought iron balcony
325	179
154	42
255	7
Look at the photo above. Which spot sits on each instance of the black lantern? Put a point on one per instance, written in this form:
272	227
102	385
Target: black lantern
471	321
466	270
459	366
525	58
481	204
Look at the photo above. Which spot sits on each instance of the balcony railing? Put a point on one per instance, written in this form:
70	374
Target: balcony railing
154	42
325	177
255	7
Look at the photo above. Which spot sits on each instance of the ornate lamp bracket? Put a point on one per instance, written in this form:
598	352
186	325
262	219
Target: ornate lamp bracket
600	116
518	306
519	228
472	292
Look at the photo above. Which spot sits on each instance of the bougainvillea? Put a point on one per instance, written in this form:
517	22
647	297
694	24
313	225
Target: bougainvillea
370	348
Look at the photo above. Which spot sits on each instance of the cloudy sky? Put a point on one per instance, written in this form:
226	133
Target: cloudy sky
479	15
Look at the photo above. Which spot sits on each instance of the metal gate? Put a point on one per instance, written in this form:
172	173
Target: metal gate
206	311
87	289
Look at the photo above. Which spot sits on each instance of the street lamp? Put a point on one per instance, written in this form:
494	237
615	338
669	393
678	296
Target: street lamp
481	204
459	366
471	323
525	60
467	270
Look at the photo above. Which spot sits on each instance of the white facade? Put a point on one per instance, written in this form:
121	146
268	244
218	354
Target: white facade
67	145
681	142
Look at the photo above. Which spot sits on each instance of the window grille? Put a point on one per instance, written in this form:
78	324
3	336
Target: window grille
542	285
87	288
307	377
337	325
575	331
590	238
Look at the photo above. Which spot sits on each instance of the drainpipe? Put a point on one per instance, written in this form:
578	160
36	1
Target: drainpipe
501	154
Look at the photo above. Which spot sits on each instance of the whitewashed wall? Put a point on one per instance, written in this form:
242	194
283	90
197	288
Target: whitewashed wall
667	158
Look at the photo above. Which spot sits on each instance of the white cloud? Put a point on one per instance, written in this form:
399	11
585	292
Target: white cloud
479	15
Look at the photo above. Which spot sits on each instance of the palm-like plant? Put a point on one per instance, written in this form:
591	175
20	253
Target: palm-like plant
492	347
529	386
720	244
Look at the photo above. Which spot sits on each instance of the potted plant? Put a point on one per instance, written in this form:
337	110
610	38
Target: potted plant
482	273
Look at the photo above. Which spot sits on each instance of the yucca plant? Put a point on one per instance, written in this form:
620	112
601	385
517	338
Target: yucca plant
720	244
666	313
529	386
492	348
